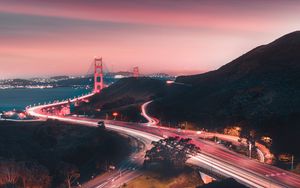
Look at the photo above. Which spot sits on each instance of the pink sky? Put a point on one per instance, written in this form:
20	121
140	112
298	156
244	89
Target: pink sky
62	36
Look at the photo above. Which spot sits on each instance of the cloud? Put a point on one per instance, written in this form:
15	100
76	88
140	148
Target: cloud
39	36
233	15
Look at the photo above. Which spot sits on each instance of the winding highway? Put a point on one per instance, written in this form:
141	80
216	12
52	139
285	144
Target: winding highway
213	157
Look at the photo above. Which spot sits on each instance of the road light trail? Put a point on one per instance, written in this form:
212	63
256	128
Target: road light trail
246	171
151	120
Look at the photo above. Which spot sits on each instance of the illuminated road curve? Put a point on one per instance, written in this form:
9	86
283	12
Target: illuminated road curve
213	156
128	169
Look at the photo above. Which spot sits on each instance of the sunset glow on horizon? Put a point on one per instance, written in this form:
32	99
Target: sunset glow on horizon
61	37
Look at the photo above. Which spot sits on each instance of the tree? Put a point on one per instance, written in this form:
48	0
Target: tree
171	152
70	173
34	175
9	173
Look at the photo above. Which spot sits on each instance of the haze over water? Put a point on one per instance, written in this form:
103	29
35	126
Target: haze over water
20	98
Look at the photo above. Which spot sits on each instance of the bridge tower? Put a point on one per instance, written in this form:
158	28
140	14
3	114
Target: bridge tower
136	72
98	75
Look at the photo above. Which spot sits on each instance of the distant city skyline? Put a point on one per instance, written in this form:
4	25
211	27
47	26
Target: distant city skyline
61	37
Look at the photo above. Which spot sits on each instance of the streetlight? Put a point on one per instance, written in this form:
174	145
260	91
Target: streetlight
250	149
115	114
169	82
292	165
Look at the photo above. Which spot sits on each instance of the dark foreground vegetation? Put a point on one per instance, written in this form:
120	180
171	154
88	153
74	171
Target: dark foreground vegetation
54	154
170	153
165	165
166	160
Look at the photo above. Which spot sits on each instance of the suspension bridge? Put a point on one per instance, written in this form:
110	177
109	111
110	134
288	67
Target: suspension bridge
97	70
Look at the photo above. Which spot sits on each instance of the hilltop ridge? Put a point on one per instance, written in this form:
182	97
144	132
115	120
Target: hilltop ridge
259	90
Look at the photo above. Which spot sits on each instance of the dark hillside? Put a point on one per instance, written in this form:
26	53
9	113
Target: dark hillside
282	56
134	89
124	96
258	90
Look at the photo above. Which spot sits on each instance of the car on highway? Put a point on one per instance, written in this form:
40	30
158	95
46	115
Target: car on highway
101	124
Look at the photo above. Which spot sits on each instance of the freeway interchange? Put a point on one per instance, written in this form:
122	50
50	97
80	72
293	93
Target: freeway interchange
213	157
